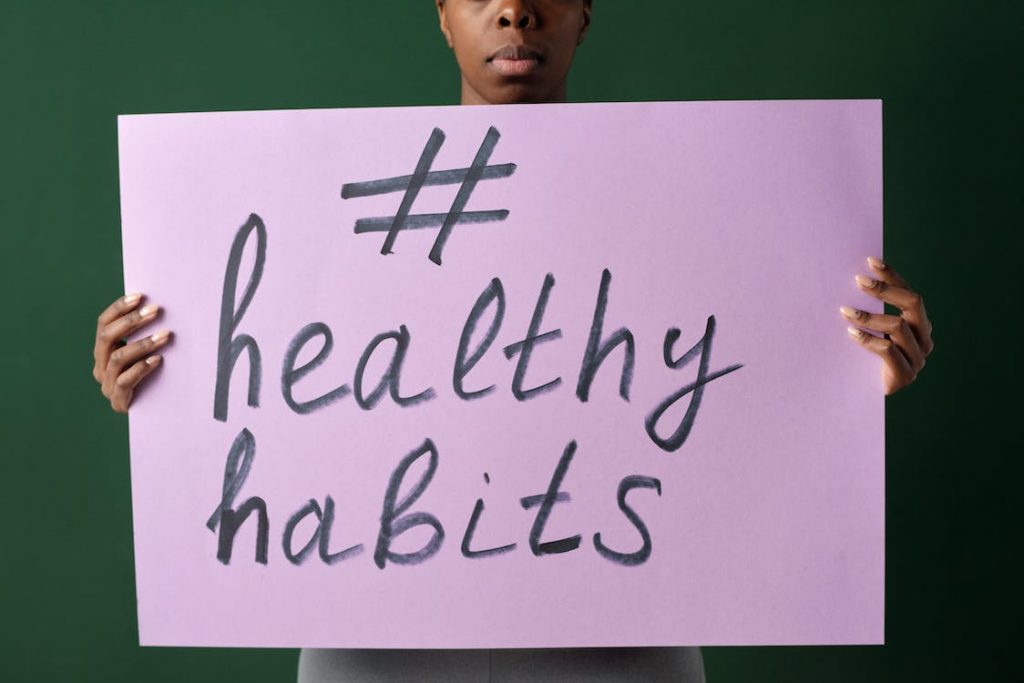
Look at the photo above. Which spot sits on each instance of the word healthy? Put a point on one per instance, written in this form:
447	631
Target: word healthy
396	519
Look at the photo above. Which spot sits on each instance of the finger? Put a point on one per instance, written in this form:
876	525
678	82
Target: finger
118	308
896	370
108	336
127	355
127	381
128	323
883	271
918	317
901	297
101	350
909	302
896	327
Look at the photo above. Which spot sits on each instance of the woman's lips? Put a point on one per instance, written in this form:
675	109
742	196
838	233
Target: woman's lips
515	60
515	67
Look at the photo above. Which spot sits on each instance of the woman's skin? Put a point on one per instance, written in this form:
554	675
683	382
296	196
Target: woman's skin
518	51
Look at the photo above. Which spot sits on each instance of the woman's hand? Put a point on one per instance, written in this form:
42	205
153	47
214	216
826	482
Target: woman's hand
907	337
119	366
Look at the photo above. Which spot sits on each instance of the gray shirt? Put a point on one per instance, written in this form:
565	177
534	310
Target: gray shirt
680	664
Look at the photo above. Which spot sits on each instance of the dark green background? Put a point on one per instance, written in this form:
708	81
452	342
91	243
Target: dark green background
948	72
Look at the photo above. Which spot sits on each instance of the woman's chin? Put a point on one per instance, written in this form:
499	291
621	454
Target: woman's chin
520	92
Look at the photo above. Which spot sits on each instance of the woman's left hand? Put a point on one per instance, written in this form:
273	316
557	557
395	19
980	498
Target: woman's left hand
907	337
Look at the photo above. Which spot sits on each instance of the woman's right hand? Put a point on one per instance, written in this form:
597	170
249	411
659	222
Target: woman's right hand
119	367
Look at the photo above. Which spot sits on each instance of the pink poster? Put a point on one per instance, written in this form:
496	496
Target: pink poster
516	376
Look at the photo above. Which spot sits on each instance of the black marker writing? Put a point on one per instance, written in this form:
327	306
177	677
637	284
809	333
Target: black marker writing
546	501
396	519
239	463
390	379
311	507
422	175
597	350
525	347
393	520
321	537
640	556
467	539
493	292
290	374
228	346
310	526
702	348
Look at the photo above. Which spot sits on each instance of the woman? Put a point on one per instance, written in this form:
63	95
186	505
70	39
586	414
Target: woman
519	51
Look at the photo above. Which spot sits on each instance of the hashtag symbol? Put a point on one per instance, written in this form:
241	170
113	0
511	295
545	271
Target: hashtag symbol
411	185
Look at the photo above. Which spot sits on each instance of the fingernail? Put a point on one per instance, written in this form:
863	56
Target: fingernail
877	263
855	333
132	299
153	360
148	310
160	336
866	282
851	313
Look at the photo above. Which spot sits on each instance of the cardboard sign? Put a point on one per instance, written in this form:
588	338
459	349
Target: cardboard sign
517	376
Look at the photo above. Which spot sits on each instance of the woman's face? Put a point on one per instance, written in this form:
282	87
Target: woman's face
513	50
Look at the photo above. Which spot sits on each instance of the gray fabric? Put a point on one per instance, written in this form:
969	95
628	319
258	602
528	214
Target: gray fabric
679	664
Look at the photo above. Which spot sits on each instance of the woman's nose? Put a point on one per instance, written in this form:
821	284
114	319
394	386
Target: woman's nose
517	13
